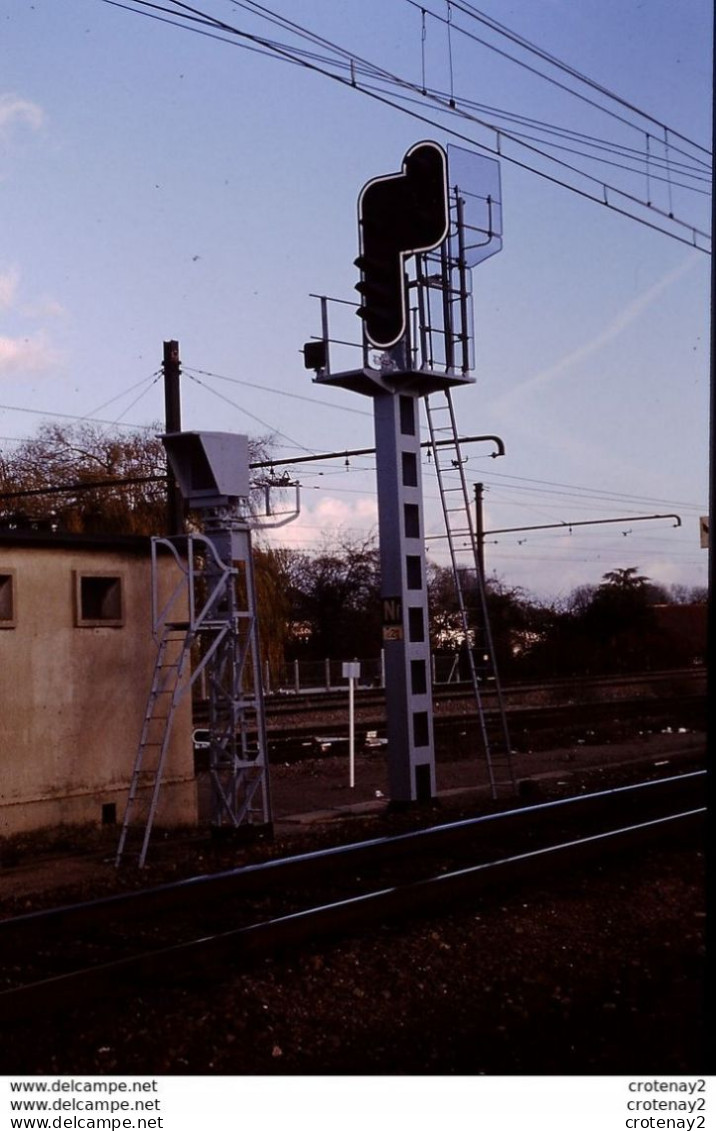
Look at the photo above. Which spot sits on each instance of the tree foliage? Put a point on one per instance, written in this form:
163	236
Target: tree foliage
335	598
614	627
78	456
327	604
48	480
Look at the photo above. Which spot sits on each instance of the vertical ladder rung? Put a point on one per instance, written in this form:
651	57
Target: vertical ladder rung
448	459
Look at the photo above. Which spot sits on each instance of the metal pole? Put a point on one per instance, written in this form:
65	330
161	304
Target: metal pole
462	275
351	731
171	367
480	529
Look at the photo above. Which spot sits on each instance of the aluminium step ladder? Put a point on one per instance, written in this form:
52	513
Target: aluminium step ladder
470	590
168	687
219	642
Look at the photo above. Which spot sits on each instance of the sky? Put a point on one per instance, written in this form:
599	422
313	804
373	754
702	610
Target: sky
160	184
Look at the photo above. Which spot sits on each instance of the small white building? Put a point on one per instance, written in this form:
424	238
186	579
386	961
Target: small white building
76	662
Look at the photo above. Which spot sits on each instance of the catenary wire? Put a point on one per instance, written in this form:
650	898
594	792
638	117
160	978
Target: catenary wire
369	69
502	30
289	54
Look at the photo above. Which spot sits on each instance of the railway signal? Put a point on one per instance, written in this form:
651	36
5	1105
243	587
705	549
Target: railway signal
400	215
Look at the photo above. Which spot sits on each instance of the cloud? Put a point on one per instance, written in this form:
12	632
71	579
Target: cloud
8	288
336	512
15	110
40	308
26	355
329	518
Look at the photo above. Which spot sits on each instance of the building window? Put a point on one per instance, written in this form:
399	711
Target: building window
99	600
7	599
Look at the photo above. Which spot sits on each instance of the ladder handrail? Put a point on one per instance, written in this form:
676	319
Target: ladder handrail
468	530
227	630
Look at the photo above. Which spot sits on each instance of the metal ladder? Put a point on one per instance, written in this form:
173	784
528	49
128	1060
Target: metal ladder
471	596
167	689
240	787
219	640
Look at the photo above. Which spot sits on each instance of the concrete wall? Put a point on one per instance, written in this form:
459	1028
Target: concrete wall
73	694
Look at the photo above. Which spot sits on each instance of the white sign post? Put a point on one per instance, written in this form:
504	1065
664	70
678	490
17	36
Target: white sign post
351	672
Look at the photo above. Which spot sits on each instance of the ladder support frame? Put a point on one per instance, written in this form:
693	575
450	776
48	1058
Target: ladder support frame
211	607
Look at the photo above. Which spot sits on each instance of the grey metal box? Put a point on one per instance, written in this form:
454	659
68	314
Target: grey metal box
210	467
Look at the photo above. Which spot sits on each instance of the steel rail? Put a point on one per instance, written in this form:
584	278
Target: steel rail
528	720
283	702
341	917
268	875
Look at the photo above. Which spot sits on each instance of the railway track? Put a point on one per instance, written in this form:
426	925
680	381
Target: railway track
325	733
565	692
135	941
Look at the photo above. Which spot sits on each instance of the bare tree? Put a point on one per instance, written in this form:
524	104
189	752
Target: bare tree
85	478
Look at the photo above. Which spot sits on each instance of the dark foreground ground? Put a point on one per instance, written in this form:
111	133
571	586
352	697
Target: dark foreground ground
600	972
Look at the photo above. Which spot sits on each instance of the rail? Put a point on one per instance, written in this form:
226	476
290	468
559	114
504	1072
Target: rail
472	857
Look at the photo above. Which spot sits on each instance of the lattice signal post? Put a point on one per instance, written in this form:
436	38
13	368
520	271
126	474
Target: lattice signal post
207	624
402	216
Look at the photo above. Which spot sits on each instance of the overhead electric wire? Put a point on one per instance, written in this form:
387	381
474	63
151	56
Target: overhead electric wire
246	412
287	53
278	392
585	499
615	147
71	416
502	30
283	22
253	7
502	134
117	421
591	490
153	378
444	106
368	69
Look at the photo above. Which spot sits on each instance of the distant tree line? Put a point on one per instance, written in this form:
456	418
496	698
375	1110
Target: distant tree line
331	609
326	604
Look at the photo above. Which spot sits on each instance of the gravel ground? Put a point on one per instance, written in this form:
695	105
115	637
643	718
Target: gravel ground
601	972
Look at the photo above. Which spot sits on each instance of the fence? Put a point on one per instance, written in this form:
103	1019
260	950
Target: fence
302	676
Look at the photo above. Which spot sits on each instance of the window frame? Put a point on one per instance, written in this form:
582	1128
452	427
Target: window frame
8	584
113	577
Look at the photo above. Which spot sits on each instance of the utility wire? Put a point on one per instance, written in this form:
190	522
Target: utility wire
589	491
72	416
118	396
368	69
522	138
471	10
502	30
287	53
278	392
245	411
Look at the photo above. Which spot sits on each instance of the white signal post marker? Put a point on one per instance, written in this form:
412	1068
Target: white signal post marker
351	672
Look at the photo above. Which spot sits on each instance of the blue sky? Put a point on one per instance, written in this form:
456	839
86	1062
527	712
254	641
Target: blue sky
160	184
